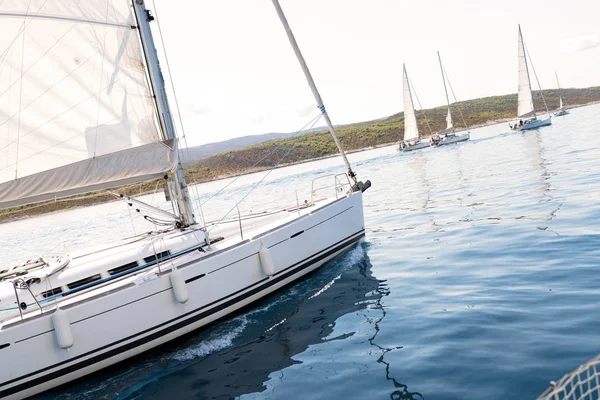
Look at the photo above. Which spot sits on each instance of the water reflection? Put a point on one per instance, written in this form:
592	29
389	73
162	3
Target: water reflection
246	367
401	390
535	153
259	344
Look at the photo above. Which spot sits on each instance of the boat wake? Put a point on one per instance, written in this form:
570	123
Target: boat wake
220	341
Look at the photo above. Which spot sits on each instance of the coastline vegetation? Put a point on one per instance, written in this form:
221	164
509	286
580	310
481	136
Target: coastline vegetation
384	131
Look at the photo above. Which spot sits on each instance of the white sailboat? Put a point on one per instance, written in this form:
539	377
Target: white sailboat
561	107
83	107
526	111
448	135
411	140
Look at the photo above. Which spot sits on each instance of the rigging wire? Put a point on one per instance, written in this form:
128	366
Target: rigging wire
421	110
179	117
313	122
536	78
267	174
455	99
101	78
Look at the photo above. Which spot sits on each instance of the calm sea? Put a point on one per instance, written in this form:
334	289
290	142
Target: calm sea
479	278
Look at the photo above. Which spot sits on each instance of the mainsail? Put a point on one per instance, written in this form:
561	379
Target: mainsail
411	130
525	97
76	112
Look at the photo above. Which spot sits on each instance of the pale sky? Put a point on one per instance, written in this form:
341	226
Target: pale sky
236	74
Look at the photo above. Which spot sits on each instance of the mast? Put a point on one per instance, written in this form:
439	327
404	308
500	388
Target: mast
157	82
522	49
449	117
313	87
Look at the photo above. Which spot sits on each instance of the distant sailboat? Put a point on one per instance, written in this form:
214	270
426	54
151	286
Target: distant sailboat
561	107
526	111
411	140
448	135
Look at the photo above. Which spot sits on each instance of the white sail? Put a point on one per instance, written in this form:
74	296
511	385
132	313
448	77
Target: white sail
411	130
561	102
73	100
449	123
525	97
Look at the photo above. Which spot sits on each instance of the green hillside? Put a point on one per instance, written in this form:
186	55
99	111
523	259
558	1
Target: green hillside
319	144
389	130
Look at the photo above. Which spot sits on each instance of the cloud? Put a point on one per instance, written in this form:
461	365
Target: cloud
580	43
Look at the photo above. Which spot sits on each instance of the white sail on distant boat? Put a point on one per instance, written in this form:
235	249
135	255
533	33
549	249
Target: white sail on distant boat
525	110
561	107
411	140
83	107
448	135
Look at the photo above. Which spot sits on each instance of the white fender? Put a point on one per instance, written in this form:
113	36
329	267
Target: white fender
62	328
180	290
266	261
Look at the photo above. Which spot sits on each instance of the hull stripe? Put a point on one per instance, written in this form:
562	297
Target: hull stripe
229	301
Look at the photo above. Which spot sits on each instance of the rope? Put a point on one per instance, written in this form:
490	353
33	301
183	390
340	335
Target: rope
267	174
313	122
421	110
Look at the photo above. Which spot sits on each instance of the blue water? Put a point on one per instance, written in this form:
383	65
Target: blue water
478	279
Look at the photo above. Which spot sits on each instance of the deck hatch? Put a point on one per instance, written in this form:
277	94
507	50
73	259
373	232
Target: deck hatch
84	281
122	268
51	292
160	256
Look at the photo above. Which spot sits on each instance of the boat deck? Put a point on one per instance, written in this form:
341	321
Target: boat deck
222	236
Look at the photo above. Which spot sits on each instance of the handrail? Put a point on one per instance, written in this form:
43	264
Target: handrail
338	185
100	281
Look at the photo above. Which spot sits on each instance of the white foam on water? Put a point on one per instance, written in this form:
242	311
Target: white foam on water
220	342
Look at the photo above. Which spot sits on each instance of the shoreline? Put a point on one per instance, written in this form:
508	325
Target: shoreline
59	205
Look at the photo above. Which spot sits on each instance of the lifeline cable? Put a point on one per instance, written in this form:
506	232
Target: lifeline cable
313	122
264	177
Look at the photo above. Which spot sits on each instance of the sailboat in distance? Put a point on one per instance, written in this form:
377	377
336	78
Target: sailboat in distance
411	140
561	107
448	135
85	109
525	110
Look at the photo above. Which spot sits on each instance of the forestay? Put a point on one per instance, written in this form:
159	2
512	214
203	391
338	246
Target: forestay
411	130
525	97
449	122
76	113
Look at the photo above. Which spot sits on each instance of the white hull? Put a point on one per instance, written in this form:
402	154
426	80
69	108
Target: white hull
538	123
561	113
132	314
453	139
420	145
